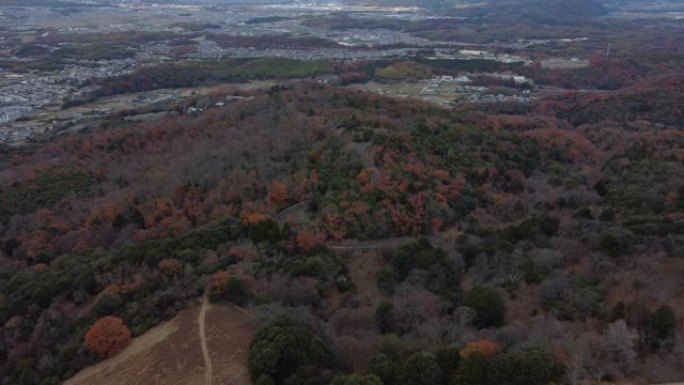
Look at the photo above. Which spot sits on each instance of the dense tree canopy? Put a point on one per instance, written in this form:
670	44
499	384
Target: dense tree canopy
281	347
488	304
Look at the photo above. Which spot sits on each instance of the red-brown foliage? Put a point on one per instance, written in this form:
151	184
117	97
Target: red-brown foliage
170	266
485	347
218	282
277	194
253	217
307	240
108	336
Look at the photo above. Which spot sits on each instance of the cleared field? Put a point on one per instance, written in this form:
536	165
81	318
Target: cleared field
171	353
559	64
228	338
126	101
52	117
443	94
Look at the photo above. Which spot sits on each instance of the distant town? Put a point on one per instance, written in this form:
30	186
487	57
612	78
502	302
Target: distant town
42	65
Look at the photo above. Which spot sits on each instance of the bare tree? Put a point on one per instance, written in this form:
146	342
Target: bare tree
576	364
597	373
620	342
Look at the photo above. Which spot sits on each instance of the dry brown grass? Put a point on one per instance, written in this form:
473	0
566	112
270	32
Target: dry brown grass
170	353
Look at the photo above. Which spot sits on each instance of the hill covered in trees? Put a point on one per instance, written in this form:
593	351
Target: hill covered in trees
418	244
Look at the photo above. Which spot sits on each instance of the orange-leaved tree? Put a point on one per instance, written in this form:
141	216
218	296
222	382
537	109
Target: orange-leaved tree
108	336
307	240
218	283
277	194
170	266
486	348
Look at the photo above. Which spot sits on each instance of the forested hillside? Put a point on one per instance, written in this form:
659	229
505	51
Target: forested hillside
425	245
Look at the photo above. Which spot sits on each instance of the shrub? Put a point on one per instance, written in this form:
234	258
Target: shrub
421	368
417	255
281	347
326	267
448	359
344	283
386	280
584	213
531	366
264	379
548	225
236	291
473	370
572	297
443	272
608	215
530	228
190	256
393	347
385	318
385	369
610	244
355	379
310	375
659	327
488	304
264	230
108	304
531	270
618	311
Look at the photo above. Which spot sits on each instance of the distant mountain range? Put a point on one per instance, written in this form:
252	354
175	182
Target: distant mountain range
542	9
535	9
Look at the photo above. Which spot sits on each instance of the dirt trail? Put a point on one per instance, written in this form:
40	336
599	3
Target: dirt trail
204	344
203	338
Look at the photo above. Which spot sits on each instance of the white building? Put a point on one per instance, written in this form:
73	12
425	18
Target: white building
519	79
472	52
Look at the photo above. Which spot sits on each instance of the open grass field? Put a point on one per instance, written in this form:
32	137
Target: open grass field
443	95
172	352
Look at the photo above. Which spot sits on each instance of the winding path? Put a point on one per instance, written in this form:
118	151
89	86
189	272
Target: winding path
203	338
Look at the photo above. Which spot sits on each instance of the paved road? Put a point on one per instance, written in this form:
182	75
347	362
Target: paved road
371	244
282	216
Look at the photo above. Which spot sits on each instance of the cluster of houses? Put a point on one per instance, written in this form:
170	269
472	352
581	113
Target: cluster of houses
471	54
13	107
463	79
12	113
